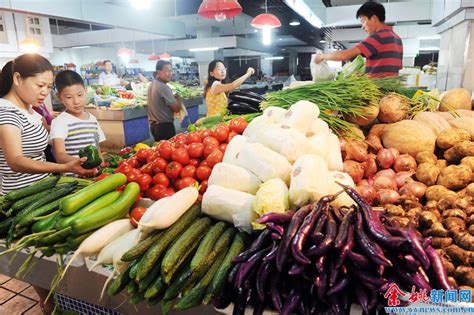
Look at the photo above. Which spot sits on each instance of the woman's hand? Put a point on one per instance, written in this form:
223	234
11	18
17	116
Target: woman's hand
75	167
250	71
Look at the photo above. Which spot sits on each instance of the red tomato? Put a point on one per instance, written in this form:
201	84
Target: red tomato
159	165
205	133
203	187
153	157
166	193
179	137
224	125
147	169
204	163
136	215
203	172
208	150
180	155
193	137
193	162
143	154
195	150
221	133
164	149
144	180
232	134
173	169
223	147
124	169
210	141
161	179
238	125
132	175
154	192
186	182
188	171
180	144
134	162
215	157
101	177
122	162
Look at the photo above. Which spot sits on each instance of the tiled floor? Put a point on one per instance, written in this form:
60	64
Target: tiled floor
18	297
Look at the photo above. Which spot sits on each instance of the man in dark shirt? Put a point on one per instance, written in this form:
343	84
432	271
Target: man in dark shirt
383	48
162	104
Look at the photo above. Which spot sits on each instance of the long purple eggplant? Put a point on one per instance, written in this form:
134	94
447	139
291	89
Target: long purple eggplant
346	247
321	283
362	298
296	269
374	298
336	305
276	236
240	302
341	236
275	293
258	244
336	212
319	263
292	302
275	228
437	269
304	231
272	253
317	236
411	263
366	277
247	266
292	229
233	273
372	222
373	250
276	217
328	242
338	287
262	277
411	279
360	261
416	247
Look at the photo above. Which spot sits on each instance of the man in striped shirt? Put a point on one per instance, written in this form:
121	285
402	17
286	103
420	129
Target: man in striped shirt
383	49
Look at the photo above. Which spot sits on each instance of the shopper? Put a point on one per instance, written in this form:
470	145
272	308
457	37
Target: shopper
215	90
383	49
162	104
74	128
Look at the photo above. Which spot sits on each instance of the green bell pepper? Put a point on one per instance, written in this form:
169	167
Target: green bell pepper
128	155
92	155
113	160
107	170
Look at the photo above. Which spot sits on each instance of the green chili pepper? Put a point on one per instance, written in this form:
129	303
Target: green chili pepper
92	155
129	155
113	160
107	170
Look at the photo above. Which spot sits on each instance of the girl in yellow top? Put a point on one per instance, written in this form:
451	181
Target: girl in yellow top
215	91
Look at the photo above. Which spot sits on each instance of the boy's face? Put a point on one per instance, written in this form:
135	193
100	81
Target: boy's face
74	98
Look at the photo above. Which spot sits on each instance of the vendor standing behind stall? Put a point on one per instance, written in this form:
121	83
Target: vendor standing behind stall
108	77
162	104
215	91
383	49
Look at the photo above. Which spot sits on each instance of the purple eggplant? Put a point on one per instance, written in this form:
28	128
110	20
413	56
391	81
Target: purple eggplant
262	277
346	248
437	269
380	270
259	308
416	247
283	249
317	236
372	222
321	283
374	298
275	293
292	302
336	212
276	217
341	236
362	298
240	302
336	305
275	228
276	236
247	266
233	272
412	279
272	253
328	242
427	242
411	263
367	277
296	269
360	261
320	261
338	287
258	244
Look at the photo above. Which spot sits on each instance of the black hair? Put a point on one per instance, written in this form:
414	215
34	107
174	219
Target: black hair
105	61
370	9
211	79
27	65
67	78
161	63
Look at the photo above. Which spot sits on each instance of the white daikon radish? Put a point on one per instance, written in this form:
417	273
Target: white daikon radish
233	149
125	241
99	239
171	210
319	126
148	215
255	126
334	157
319	145
301	116
274	113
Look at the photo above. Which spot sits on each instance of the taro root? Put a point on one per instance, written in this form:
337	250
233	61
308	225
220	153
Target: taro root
426	157
449	137
455	177
441	242
427	173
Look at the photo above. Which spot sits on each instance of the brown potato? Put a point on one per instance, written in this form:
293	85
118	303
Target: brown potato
455	177
454	224
426	157
465	148
452	156
455	213
469	161
427	173
441	164
441	242
470	190
438	192
449	137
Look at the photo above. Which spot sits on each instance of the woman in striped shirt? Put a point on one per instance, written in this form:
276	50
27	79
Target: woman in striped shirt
23	137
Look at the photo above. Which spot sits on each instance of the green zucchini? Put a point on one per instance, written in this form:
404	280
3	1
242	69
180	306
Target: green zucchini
55	237
45	224
138	250
37	187
183	247
154	252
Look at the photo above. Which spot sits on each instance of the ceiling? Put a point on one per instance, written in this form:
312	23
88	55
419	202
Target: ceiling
338	3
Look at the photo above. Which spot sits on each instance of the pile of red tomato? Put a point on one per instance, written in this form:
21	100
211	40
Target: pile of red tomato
184	160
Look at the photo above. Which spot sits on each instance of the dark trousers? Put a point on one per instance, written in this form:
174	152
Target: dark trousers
163	131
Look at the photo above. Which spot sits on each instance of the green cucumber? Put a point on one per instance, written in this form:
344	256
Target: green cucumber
37	187
75	242
140	249
177	285
133	271
154	252
22	203
152	276
136	298
155	289
29	218
45	224
55	237
207	244
120	282
132	287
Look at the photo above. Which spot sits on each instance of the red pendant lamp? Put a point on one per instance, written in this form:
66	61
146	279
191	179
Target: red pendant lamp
124	52
265	20
153	56
165	56
219	9
134	61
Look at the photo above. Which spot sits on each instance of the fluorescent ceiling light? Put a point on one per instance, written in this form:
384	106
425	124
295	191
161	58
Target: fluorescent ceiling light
300	7
430	37
322	41
274	58
204	49
80	47
295	23
141	4
428	48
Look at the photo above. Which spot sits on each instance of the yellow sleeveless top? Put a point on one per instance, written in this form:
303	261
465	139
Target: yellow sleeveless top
216	103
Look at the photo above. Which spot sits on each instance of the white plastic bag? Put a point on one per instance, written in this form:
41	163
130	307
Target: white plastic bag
234	177
343	178
264	163
284	140
334	157
255	125
310	180
274	113
228	205
319	145
322	71
301	116
233	149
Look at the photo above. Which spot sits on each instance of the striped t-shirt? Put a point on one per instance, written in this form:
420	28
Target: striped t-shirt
77	133
383	51
34	139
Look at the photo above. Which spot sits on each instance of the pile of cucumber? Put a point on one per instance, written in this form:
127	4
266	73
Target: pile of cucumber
183	266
